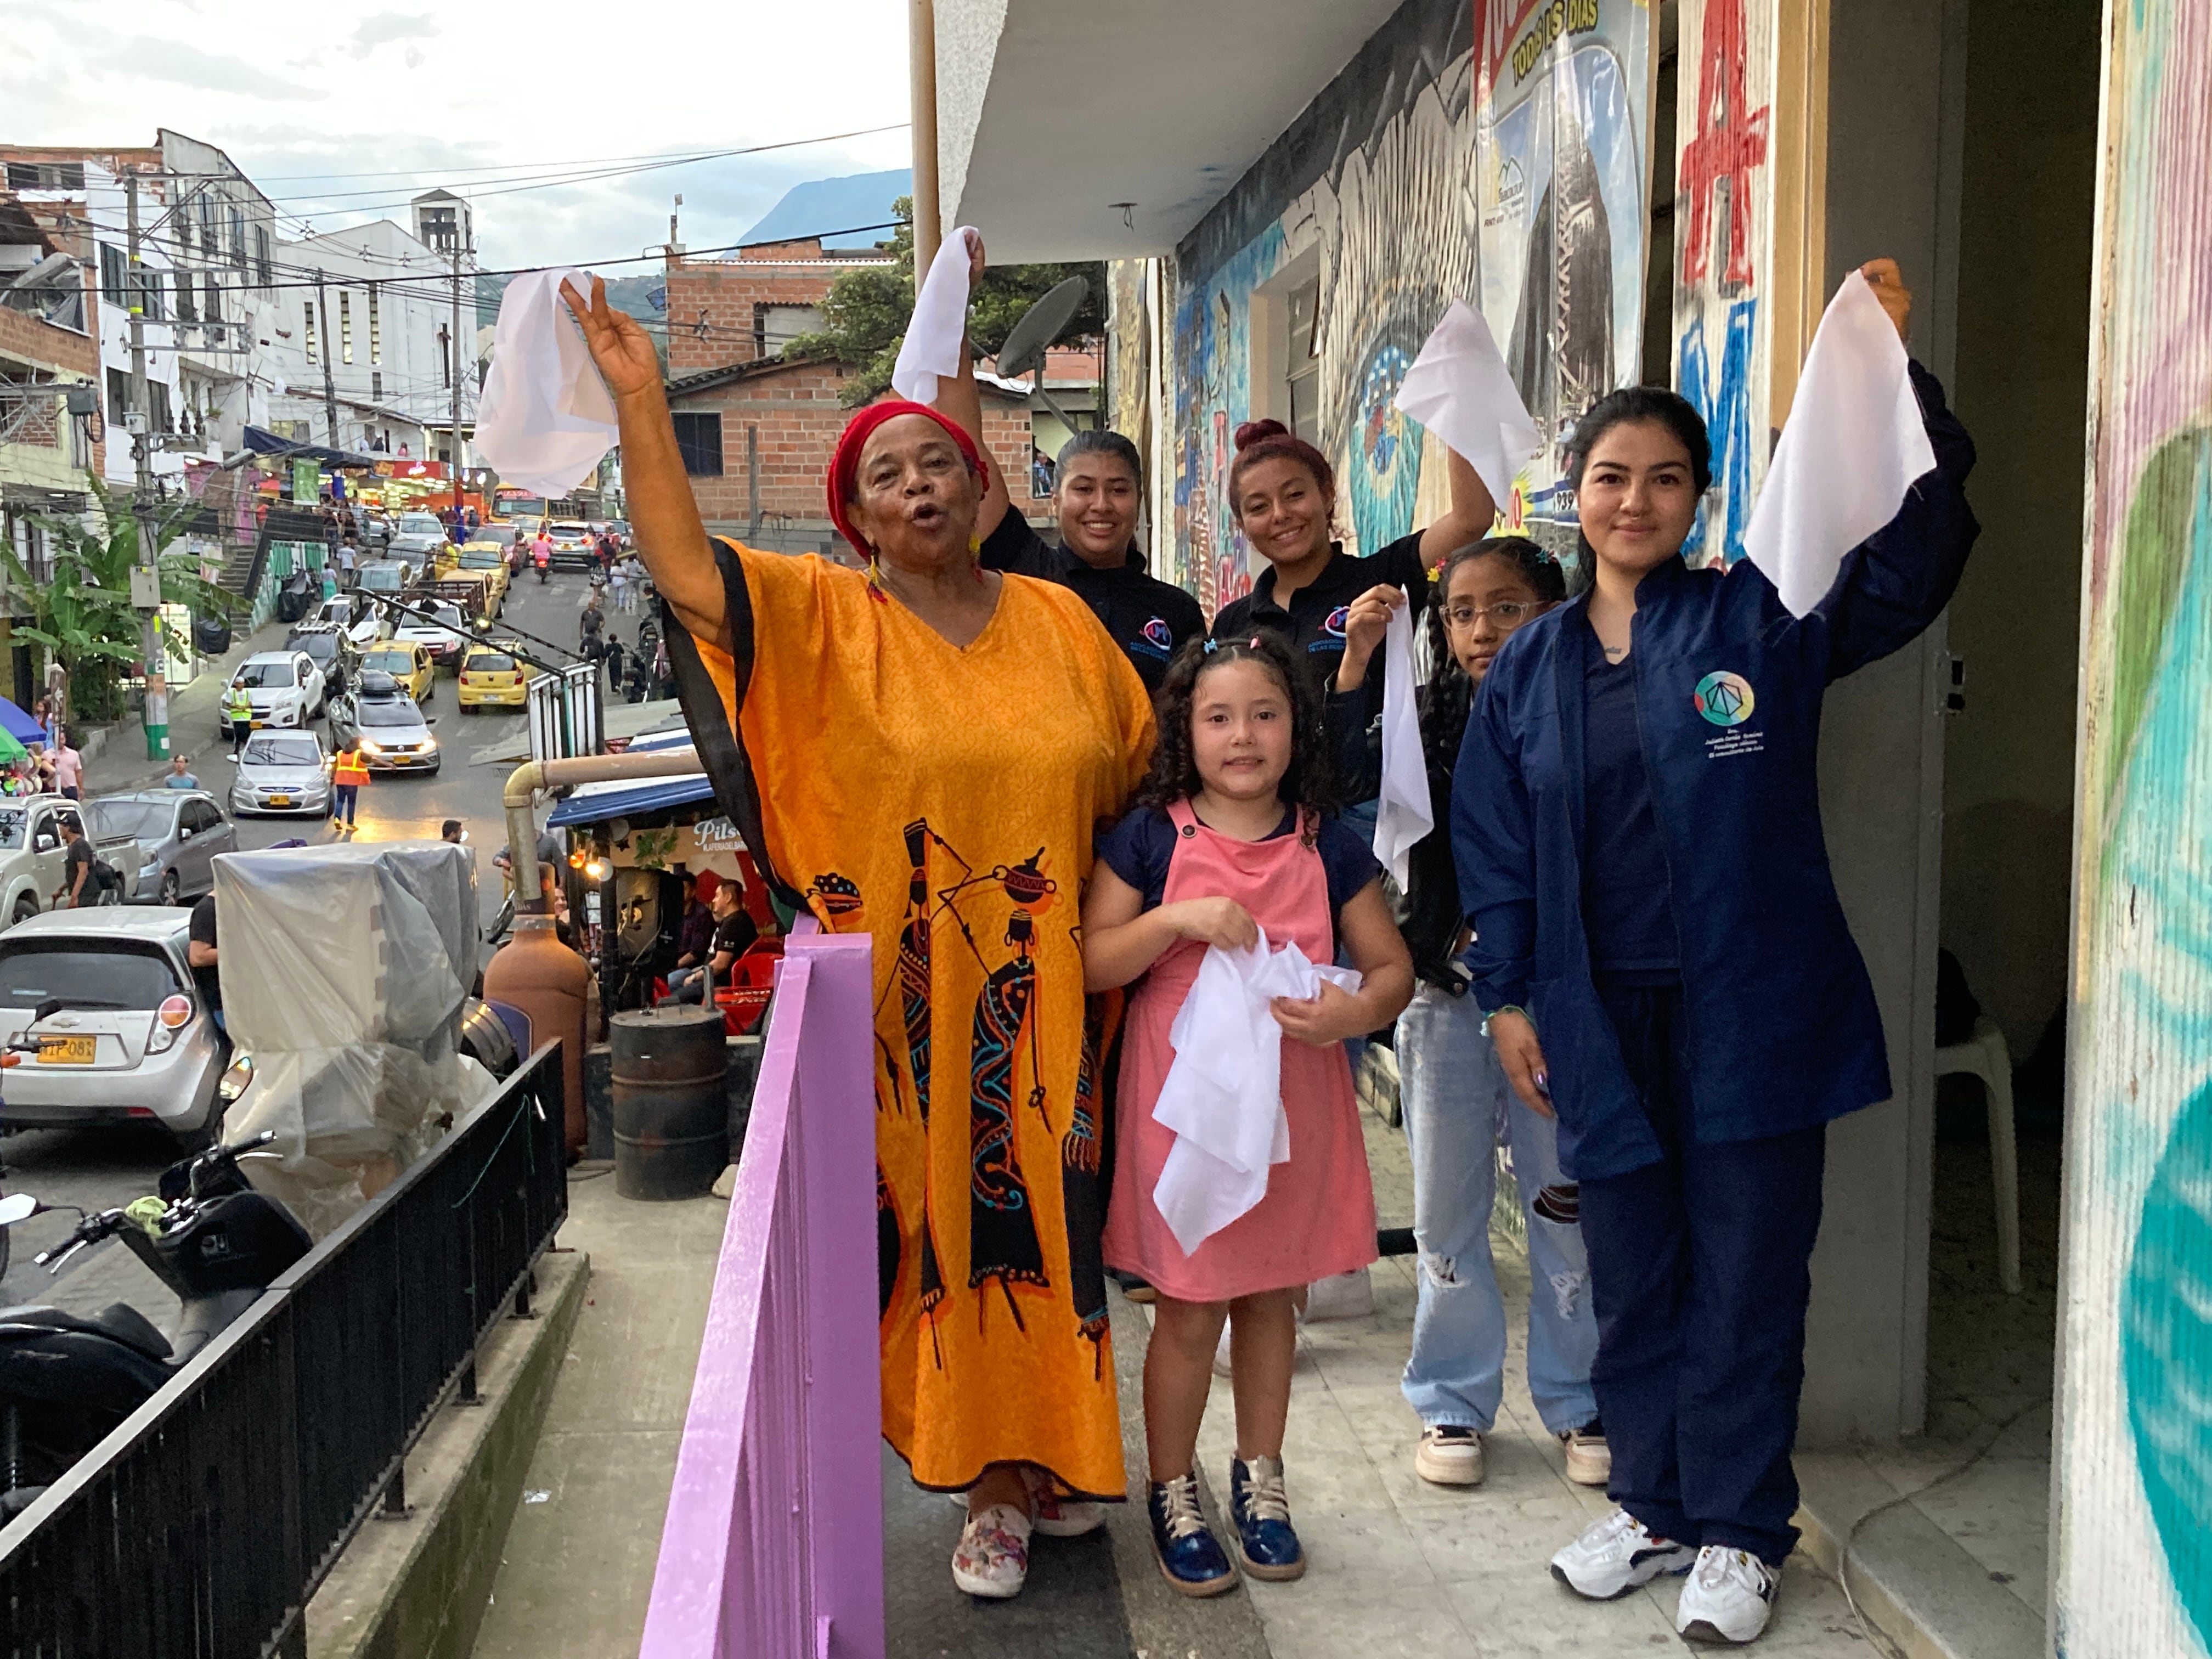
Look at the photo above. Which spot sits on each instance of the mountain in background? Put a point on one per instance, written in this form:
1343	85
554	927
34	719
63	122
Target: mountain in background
627	294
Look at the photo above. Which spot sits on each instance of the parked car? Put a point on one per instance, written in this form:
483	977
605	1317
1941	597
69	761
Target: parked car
390	726
131	1038
491	678
285	689
394	575
282	772
177	832
445	640
407	661
488	560
31	855
328	646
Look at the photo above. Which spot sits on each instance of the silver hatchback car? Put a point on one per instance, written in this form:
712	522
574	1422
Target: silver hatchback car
122	1032
178	832
282	772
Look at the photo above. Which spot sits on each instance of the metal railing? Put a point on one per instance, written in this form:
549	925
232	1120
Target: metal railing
772	1546
202	1524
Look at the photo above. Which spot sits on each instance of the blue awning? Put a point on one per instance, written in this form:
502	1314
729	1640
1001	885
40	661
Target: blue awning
596	803
18	725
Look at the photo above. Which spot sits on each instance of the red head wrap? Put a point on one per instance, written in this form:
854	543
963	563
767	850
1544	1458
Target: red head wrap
845	464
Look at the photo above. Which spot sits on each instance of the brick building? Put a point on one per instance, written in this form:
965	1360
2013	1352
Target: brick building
757	424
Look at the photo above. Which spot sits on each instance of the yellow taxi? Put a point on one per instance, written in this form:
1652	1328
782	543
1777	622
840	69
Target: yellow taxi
492	677
406	662
488	560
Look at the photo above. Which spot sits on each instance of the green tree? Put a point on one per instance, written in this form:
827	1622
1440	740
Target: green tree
865	312
83	613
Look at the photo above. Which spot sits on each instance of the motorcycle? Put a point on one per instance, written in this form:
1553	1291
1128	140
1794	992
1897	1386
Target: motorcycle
67	1379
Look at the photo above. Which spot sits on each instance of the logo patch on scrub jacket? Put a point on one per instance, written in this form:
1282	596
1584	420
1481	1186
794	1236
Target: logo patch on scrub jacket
1332	627
1724	698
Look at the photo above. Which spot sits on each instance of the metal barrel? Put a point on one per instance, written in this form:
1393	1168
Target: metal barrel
672	1115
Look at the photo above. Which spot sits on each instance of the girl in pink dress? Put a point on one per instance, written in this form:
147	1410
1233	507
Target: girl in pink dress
1228	838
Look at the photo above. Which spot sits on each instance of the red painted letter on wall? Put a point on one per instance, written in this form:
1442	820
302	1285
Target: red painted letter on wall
1730	141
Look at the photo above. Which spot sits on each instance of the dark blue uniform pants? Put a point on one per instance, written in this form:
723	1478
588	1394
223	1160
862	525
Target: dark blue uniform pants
1699	1272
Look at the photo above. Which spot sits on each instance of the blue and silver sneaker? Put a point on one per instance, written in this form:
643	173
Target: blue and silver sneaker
1190	1556
1266	1541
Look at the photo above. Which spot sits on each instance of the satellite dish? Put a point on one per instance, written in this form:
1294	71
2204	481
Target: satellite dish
1041	325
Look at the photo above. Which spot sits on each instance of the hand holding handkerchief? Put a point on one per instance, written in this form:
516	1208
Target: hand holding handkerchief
1460	389
931	350
545	418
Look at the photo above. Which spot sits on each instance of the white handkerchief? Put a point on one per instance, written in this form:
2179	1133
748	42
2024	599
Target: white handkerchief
1405	813
1853	444
931	350
1459	389
545	418
1223	1097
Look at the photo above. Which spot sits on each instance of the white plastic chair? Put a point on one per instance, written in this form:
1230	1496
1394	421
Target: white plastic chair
1985	1056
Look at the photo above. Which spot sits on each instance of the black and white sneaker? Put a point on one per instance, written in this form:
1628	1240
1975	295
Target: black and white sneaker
1729	1599
1616	1555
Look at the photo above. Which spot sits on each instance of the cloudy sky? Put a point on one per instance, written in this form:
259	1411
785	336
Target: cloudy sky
481	97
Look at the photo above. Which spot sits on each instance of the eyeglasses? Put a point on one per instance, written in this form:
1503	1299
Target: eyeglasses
1508	615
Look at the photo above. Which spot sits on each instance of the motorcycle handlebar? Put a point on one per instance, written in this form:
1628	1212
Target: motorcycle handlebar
88	1232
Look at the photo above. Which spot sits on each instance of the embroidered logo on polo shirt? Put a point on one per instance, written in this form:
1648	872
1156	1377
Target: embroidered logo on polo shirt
1724	698
1157	640
1332	627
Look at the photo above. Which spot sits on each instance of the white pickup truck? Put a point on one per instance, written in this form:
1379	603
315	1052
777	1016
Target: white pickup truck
32	857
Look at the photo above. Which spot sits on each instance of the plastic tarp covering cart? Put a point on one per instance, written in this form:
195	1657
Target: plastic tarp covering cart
344	971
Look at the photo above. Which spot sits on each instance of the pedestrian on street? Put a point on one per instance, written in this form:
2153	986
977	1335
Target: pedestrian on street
611	655
452	830
238	711
69	768
995	1380
1228	840
347	554
1586	808
349	777
180	775
79	886
617	586
1458	1107
204	958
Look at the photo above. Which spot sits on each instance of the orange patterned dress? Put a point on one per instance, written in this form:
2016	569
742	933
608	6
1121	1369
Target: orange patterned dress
942	800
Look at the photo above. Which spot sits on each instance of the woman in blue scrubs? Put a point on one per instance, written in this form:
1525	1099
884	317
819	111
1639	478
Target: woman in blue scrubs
1660	949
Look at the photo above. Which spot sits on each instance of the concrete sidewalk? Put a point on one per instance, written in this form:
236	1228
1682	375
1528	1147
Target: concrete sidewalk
1399	1567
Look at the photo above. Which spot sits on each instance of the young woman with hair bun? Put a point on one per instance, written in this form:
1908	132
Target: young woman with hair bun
1283	492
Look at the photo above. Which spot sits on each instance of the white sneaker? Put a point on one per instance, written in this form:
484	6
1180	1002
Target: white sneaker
1589	1460
1344	1296
1616	1555
1729	1599
1449	1455
993	1558
1057	1516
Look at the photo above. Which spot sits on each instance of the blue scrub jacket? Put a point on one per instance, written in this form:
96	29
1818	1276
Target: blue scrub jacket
1782	1028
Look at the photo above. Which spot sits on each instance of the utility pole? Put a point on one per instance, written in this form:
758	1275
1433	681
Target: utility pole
453	363
145	580
329	343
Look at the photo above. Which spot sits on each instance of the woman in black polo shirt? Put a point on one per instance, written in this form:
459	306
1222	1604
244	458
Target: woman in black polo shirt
1283	491
1097	489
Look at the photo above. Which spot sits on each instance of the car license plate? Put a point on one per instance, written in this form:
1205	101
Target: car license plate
65	1051
280	800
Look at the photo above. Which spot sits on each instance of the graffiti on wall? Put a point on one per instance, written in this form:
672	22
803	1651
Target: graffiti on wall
2133	1571
1562	145
1722	240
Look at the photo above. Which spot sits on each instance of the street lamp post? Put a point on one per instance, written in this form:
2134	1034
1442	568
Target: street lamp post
145	578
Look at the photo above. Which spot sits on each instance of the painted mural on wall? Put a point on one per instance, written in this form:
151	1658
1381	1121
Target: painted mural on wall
2133	1571
1563	144
1722	251
1388	230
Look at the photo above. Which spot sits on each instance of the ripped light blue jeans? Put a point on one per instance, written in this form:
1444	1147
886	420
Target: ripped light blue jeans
1458	1109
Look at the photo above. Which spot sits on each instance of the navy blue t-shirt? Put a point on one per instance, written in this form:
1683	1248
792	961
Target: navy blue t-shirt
1138	850
1627	907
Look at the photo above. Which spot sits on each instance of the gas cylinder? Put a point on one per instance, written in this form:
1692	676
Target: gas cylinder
538	974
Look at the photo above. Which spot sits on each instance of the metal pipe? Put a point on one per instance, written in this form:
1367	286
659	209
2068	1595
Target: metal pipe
527	779
921	70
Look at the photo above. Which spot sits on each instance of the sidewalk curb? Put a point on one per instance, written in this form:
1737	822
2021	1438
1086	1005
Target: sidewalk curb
417	1588
1910	1579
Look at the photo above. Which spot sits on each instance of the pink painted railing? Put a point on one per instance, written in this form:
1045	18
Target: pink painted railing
773	1548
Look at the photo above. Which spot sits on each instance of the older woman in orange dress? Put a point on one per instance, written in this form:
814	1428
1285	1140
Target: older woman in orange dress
919	751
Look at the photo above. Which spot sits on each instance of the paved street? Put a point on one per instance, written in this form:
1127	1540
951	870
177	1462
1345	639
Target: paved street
97	1167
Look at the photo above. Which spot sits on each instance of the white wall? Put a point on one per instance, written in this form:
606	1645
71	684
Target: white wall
107	205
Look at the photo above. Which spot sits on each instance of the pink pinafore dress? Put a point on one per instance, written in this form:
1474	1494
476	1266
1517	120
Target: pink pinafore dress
1318	1217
